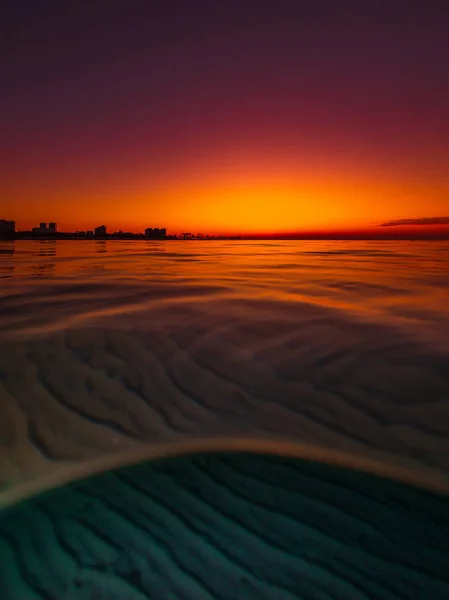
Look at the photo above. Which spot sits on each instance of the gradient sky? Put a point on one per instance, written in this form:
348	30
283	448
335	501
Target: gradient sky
249	116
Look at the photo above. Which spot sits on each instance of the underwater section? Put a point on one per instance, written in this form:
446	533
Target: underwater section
227	525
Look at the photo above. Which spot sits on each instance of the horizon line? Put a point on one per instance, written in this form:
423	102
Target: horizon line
388	235
418	228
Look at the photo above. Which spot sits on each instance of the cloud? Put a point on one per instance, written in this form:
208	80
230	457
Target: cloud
427	221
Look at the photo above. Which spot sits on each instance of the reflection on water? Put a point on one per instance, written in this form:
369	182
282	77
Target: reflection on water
44	266
381	281
101	246
107	345
6	267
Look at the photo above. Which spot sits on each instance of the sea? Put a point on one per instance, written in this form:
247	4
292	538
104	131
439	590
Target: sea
331	353
335	344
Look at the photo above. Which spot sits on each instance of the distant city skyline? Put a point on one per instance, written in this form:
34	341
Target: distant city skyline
436	228
421	227
49	230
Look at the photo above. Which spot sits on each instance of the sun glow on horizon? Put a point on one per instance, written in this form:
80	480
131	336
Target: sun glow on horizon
246	198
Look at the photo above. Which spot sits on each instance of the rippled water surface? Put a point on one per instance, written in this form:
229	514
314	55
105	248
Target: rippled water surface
277	357
108	345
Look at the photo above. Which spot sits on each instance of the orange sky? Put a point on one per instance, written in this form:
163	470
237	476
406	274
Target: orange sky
235	121
253	196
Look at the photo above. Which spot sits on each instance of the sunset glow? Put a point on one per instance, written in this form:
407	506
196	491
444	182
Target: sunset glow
234	133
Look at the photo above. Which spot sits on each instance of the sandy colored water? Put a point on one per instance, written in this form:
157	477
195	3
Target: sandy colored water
315	377
109	346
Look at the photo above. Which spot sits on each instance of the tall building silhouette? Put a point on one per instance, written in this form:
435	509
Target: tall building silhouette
7	227
101	230
43	229
156	232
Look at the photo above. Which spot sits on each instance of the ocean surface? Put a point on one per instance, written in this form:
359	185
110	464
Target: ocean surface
107	344
332	353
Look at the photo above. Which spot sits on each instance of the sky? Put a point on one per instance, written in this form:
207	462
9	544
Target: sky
225	117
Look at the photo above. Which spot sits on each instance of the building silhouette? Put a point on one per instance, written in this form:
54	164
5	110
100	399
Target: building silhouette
156	233
101	230
43	229
7	227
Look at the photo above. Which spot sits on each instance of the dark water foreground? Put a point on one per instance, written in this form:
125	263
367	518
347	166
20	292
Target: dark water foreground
227	525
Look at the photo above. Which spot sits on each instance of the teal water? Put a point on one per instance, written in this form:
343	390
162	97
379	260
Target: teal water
227	525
